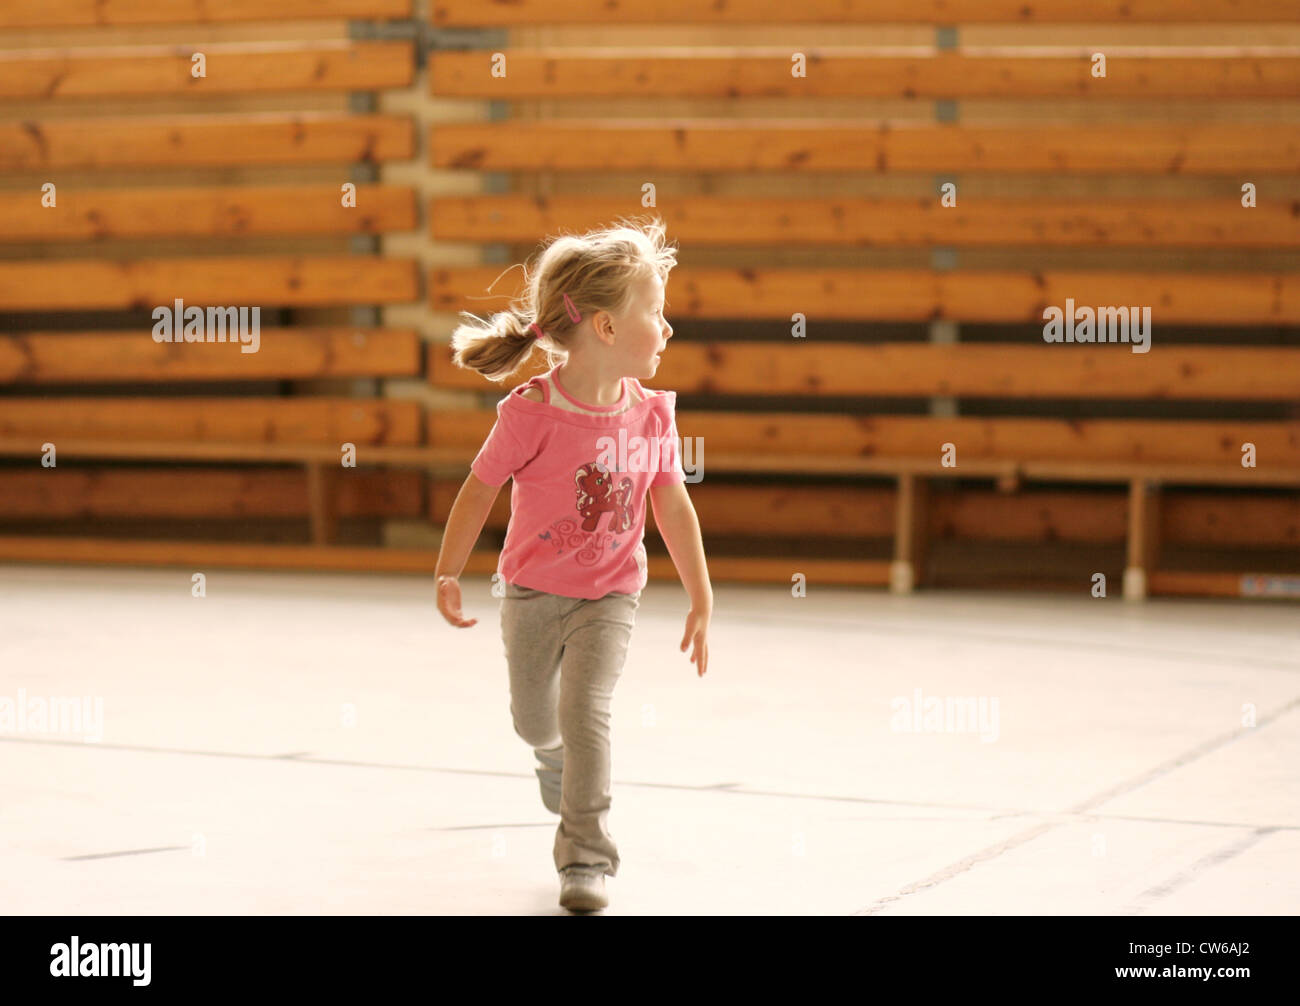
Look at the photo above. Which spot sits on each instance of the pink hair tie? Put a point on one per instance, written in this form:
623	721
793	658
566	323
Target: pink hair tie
574	316
534	327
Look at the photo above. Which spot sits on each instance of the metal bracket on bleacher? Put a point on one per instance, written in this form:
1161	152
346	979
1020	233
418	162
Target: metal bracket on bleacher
946	37
427	36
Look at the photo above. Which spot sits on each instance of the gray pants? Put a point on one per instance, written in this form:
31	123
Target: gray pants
565	654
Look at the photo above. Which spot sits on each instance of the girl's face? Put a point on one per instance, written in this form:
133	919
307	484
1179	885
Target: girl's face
642	334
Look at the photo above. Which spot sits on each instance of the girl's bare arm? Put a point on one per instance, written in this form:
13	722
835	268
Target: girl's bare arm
680	529
464	524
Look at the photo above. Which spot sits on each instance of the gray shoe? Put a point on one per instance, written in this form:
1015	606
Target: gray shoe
582	889
550	775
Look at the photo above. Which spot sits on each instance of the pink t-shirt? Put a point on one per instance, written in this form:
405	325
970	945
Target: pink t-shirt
581	473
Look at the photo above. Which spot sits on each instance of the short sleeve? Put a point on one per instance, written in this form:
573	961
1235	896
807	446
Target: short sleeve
669	470
507	448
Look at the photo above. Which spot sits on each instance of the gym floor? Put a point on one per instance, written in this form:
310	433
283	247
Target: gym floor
327	744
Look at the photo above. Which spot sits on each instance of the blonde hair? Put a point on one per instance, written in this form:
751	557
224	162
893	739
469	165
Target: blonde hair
597	270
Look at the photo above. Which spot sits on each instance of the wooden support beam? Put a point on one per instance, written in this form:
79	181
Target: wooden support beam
321	497
1153	543
1143	537
907	571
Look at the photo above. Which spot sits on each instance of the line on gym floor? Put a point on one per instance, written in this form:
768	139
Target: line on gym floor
1082	810
1007	844
124	852
1145	900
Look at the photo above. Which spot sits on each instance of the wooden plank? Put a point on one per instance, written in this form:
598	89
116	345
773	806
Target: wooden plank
1034	371
229	555
1198	519
1040	516
799	146
817	511
1226	472
216	140
285	353
455	459
97	13
888	440
757	569
1191	298
204	211
840	221
28	446
212	281
229	68
937	12
1008	370
1231	519
97	492
1218	72
1218	519
324	421
191	555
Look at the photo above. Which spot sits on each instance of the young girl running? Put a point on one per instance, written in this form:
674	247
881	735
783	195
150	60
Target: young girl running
584	444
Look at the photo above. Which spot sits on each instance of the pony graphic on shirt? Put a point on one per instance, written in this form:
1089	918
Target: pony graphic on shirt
597	495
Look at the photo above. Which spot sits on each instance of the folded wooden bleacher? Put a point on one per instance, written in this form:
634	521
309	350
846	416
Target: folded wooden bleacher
136	175
838	437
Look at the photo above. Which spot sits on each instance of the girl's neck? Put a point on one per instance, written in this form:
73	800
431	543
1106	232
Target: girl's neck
588	385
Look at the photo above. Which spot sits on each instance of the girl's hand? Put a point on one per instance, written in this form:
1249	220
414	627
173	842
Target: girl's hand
697	631
449	602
